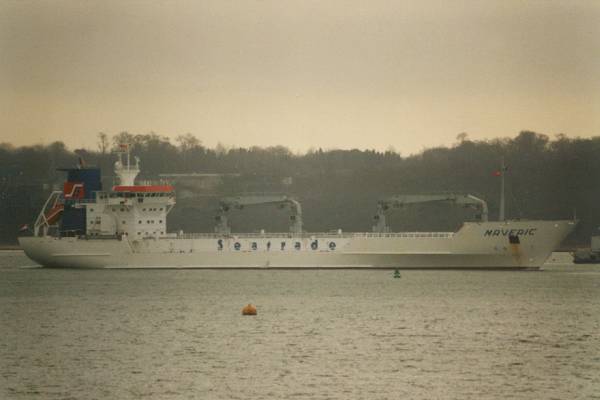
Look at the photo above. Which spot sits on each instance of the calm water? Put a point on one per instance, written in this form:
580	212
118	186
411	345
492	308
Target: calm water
172	334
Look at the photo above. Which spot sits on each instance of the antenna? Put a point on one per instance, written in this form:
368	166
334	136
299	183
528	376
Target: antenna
502	206
126	172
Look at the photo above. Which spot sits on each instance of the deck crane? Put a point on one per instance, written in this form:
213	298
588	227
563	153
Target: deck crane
399	201
239	202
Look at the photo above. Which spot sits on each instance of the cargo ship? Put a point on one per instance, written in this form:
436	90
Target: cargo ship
84	226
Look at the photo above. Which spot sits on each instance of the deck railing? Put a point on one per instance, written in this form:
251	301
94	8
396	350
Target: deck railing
283	235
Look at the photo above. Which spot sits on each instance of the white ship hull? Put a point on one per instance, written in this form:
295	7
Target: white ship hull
476	245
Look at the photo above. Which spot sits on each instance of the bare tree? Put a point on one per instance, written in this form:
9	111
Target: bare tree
122	138
102	142
187	142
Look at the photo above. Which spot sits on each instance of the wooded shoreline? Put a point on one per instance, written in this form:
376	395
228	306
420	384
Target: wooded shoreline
338	189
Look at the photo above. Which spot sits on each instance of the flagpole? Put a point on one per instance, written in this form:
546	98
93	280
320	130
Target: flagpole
502	171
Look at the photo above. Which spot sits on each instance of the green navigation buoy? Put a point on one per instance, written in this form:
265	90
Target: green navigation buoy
397	273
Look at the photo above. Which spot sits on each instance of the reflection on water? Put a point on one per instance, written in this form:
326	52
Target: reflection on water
318	334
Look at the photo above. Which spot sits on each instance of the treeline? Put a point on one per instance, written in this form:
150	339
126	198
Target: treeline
545	178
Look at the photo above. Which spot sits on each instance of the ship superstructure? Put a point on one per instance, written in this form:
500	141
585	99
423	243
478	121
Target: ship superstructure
83	209
126	227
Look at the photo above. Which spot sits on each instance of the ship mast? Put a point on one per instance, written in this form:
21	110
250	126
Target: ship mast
126	173
502	205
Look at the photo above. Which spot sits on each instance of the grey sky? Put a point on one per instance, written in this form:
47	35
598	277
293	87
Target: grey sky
343	74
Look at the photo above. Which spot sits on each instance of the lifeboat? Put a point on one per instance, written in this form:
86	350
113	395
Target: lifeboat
54	213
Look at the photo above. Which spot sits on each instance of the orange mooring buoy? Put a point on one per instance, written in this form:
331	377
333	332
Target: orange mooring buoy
249	310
